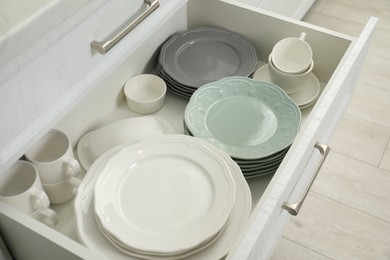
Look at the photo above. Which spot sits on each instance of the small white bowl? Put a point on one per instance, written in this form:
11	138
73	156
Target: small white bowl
145	93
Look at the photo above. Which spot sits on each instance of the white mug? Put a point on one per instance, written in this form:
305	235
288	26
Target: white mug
290	83
54	158
63	191
47	216
292	55
21	187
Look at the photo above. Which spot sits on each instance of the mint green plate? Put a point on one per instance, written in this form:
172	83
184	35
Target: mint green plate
246	118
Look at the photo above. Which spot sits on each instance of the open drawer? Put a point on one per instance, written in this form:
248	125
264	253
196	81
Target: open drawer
96	98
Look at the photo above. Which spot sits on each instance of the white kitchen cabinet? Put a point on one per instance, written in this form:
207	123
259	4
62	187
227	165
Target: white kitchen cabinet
59	82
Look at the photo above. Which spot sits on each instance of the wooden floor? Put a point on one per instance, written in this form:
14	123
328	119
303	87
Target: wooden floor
347	213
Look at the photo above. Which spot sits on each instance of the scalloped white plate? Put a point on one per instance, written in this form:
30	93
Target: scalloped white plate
164	195
89	234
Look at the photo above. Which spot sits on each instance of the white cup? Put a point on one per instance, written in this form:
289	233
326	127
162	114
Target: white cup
47	216
63	191
54	158
292	55
290	83
21	187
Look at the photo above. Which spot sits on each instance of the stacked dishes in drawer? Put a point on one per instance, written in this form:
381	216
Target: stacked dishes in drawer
198	56
255	122
166	197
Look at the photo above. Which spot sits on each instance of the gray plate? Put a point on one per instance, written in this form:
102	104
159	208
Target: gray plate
202	55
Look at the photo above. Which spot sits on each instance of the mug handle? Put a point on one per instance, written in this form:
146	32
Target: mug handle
50	217
75	182
302	36
73	166
39	199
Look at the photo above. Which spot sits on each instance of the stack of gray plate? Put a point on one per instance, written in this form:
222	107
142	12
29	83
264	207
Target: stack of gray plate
255	122
198	56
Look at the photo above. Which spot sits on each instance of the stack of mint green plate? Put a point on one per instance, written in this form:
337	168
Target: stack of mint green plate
255	122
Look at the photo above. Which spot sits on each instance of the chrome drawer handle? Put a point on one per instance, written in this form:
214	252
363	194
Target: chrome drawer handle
293	208
104	47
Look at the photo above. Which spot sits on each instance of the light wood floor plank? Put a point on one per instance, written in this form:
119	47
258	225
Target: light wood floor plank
338	231
289	250
360	139
355	184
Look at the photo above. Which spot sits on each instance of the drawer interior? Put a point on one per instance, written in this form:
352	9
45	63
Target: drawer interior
270	30
107	104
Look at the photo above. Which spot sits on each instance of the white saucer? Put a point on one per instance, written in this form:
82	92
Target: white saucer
305	96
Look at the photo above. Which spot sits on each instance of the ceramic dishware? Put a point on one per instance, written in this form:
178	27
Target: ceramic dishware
256	142
95	143
292	55
53	156
145	93
21	187
305	96
197	56
88	230
290	83
62	191
157	195
214	113
46	216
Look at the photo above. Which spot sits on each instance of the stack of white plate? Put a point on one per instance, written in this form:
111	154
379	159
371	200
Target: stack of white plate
198	56
255	122
166	197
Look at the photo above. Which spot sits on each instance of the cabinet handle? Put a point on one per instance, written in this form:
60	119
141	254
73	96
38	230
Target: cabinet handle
293	208
104	47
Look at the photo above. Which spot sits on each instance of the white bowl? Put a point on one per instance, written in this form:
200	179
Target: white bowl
145	93
94	143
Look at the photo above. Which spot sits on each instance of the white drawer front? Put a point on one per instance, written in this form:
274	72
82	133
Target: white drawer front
47	80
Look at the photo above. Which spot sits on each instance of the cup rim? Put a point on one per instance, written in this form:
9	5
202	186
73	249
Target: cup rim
31	185
51	185
298	71
162	89
34	161
307	71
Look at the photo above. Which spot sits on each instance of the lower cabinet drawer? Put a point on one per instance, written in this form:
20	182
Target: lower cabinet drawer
337	59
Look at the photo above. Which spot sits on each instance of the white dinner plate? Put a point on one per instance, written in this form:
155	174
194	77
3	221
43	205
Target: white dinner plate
159	256
164	195
307	94
90	235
